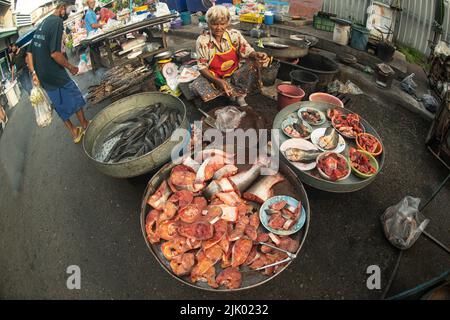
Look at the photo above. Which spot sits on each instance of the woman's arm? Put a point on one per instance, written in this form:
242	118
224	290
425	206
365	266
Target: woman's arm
201	48
217	81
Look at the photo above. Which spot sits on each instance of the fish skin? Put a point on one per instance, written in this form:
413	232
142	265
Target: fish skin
243	180
262	190
299	155
329	140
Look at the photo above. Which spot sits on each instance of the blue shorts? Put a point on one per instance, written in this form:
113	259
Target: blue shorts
67	100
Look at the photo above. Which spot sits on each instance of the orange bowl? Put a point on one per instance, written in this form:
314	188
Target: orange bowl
379	149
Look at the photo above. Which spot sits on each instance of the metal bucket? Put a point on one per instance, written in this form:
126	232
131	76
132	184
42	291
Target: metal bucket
325	68
305	79
102	125
250	279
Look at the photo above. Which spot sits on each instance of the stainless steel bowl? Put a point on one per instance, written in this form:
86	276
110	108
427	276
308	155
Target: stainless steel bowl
102	125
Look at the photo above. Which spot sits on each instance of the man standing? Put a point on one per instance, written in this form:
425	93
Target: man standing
19	69
91	18
47	65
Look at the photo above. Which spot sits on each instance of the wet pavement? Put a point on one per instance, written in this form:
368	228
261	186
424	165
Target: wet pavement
57	210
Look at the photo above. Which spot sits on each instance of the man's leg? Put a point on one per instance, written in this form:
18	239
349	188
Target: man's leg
73	130
80	115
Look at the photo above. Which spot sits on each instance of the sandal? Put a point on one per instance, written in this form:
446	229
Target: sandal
80	133
84	130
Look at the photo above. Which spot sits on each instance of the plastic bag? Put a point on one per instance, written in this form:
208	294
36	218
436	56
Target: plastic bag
430	103
348	87
403	223
228	118
408	85
42	107
85	64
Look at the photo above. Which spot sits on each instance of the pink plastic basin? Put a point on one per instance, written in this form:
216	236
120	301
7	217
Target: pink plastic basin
289	94
327	98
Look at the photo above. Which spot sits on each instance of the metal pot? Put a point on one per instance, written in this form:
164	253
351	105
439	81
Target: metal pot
250	279
102	125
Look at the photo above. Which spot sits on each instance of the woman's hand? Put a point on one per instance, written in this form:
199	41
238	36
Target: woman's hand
222	84
261	57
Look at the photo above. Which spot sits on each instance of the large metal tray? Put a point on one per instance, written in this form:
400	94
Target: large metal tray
352	183
250	279
296	49
103	124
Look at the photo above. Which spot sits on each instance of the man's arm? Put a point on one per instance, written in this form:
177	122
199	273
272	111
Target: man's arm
29	62
62	61
12	72
54	43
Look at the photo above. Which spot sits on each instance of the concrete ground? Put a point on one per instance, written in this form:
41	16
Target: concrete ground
57	210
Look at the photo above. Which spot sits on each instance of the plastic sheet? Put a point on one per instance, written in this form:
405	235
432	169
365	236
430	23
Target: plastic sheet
403	223
348	87
228	118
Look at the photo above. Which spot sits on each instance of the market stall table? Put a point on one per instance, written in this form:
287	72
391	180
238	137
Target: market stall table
107	38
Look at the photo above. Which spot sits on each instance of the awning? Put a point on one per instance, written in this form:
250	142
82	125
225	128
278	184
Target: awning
25	38
7	33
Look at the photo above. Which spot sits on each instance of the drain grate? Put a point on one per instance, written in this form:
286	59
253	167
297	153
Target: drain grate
345	98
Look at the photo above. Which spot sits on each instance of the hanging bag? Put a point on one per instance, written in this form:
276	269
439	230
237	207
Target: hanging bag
42	107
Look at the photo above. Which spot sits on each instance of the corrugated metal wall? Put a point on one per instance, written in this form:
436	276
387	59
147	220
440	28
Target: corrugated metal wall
415	26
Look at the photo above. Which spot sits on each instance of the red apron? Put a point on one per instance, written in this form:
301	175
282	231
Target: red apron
223	64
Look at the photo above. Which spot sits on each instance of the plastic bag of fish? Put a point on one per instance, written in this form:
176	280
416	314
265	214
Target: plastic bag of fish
205	216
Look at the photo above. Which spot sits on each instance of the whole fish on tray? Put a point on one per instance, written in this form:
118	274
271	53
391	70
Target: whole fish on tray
140	134
299	155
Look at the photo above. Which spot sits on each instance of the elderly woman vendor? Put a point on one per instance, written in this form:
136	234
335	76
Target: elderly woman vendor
220	52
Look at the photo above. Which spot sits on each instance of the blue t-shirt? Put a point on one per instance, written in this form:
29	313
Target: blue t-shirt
90	18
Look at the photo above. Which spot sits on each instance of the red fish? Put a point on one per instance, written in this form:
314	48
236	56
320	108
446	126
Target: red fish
159	198
182	264
182	198
241	250
277	206
169	211
174	247
230	278
230	198
151	226
167	230
262	190
189	213
225	172
276	221
199	230
201	203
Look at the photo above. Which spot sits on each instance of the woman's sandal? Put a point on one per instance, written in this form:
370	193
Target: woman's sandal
80	133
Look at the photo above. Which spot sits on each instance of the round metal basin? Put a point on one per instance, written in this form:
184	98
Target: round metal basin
296	49
103	124
292	186
312	178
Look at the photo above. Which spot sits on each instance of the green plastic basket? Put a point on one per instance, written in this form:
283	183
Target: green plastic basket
323	23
